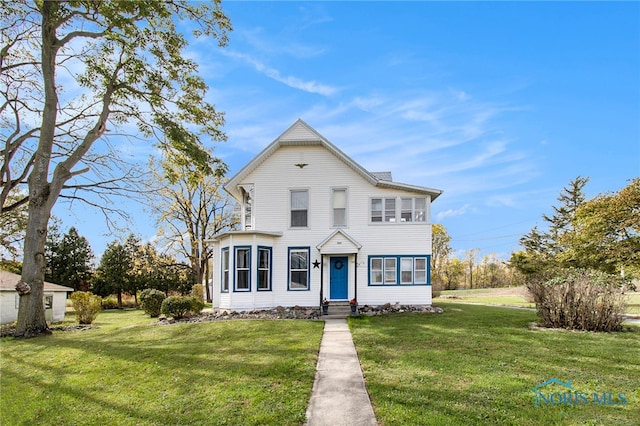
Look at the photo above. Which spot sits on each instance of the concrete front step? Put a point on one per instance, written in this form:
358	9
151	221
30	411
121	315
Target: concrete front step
338	310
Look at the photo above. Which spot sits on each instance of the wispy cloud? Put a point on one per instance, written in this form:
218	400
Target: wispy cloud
291	81
453	212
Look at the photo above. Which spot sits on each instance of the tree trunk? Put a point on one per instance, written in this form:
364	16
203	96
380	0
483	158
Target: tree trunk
31	318
207	289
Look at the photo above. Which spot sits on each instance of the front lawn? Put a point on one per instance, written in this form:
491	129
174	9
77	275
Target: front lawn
479	365
129	372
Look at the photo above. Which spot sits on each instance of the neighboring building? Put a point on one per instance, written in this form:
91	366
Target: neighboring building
315	225
55	299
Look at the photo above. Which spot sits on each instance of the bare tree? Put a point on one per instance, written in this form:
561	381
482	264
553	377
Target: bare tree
69	73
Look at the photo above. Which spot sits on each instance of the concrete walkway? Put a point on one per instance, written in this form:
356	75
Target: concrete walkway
339	396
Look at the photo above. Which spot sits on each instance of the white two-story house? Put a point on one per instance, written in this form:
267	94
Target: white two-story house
316	225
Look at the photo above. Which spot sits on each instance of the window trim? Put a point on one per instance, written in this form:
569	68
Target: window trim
291	210
398	270
235	269
269	268
223	271
295	249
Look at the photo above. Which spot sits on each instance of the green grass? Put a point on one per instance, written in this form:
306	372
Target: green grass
479	364
128	372
513	296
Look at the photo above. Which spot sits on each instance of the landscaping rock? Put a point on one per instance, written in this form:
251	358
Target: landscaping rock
297	312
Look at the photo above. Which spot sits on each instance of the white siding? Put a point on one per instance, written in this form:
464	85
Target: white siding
9	310
273	180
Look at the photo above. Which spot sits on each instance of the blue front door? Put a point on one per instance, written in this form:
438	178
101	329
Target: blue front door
338	278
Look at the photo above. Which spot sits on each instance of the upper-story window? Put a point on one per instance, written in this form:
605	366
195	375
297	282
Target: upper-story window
413	209
247	206
299	208
339	203
398	210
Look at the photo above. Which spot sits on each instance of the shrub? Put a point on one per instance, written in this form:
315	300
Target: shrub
579	299
197	291
151	301
176	306
87	306
197	305
109	303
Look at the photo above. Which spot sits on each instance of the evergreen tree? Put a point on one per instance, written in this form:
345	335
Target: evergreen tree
113	274
69	260
544	249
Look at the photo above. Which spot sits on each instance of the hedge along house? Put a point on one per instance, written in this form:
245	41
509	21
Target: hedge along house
315	225
55	299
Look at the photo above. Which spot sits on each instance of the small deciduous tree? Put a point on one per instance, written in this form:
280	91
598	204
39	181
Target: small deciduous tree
441	250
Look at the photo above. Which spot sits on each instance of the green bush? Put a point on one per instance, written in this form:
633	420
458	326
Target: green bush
197	305
176	306
87	306
151	301
109	303
579	299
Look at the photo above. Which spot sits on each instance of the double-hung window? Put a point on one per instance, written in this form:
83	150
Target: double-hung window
339	207
376	209
390	270
224	267
264	268
299	208
383	210
420	270
298	269
243	269
406	270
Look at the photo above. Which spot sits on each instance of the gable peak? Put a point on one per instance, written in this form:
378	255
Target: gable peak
300	131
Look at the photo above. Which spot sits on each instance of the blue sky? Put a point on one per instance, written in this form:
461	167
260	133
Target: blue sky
499	104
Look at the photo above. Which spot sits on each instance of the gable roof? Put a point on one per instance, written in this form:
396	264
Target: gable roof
301	134
8	281
339	236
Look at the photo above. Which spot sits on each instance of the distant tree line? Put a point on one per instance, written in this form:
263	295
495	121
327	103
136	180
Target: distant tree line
124	268
450	273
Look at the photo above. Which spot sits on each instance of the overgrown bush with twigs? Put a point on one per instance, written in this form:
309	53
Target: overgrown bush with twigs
579	299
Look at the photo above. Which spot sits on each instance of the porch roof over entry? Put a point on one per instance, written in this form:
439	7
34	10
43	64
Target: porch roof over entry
339	242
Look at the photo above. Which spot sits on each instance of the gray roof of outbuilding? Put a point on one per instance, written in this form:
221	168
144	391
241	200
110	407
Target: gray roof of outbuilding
8	281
